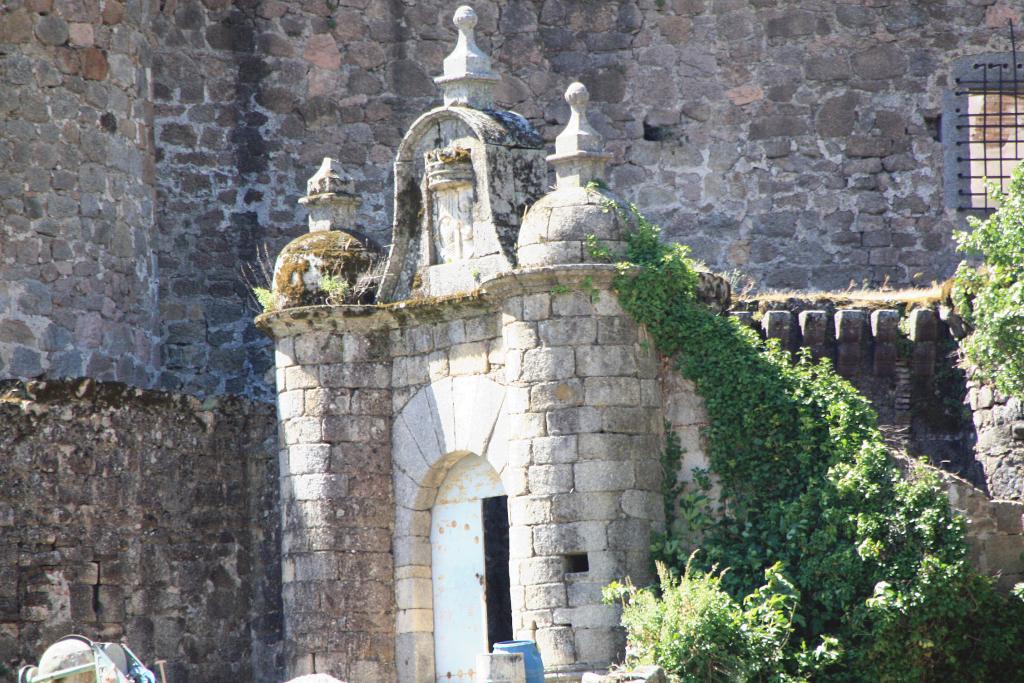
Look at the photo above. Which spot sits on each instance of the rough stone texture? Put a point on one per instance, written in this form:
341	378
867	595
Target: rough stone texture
904	363
999	422
995	529
78	285
795	141
144	516
560	394
337	506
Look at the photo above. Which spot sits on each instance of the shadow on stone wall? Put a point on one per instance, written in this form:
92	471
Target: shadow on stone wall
143	516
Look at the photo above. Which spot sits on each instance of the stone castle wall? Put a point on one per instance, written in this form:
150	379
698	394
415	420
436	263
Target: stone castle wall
78	282
793	140
144	516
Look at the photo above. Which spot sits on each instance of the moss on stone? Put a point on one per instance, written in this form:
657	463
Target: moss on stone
308	258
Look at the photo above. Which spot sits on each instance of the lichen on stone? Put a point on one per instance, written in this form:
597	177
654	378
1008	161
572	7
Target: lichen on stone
304	262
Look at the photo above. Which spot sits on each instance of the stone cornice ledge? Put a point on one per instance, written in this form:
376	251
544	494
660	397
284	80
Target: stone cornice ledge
712	290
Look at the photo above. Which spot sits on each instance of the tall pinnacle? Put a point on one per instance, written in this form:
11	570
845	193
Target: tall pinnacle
331	198
468	78
579	149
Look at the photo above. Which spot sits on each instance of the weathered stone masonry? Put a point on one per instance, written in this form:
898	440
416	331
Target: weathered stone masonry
144	516
792	140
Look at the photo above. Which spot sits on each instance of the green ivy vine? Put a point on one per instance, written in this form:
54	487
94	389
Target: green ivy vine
878	561
991	297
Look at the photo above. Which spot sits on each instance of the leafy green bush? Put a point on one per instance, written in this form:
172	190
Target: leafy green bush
697	632
877	560
991	298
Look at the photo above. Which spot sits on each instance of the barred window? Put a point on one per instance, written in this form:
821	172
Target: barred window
983	127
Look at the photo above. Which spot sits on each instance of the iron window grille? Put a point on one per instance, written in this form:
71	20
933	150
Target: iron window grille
983	126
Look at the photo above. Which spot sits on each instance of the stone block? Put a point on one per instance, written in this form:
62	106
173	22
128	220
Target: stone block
604	475
302	430
573	331
589	616
311	348
536	306
520	453
602	446
540	570
545	595
885	325
482	328
572	537
612	391
354	375
554	395
414	593
778	325
585	592
557	646
520	542
301	377
550	479
589	506
629	420
468	359
597	361
923	325
1009	517
547	363
309	458
412	550
415	620
573	420
642	504
519	335
551	450
291	404
629	534
602	645
529	510
316	486
616	330
572	304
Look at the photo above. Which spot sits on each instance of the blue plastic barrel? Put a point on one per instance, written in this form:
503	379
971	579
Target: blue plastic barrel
531	656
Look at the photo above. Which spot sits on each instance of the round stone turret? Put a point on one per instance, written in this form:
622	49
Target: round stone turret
557	227
333	263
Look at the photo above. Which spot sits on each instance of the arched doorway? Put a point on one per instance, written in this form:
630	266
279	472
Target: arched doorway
469	557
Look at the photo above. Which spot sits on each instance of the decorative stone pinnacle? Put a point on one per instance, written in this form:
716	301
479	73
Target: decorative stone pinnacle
331	198
468	78
579	149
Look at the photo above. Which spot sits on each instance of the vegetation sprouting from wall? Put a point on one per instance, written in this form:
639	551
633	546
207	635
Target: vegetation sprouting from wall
867	576
991	297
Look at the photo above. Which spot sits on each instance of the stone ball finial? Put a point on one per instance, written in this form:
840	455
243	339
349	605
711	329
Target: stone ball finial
579	149
468	78
577	96
465	18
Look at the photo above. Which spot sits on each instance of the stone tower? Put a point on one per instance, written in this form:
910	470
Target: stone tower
475	455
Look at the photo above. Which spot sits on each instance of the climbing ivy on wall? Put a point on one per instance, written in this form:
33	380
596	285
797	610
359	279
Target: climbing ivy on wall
877	560
991	297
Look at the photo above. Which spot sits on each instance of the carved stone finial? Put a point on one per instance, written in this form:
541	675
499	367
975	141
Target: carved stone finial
331	198
468	78
579	149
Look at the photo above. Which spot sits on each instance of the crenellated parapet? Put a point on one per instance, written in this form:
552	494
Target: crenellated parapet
858	340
